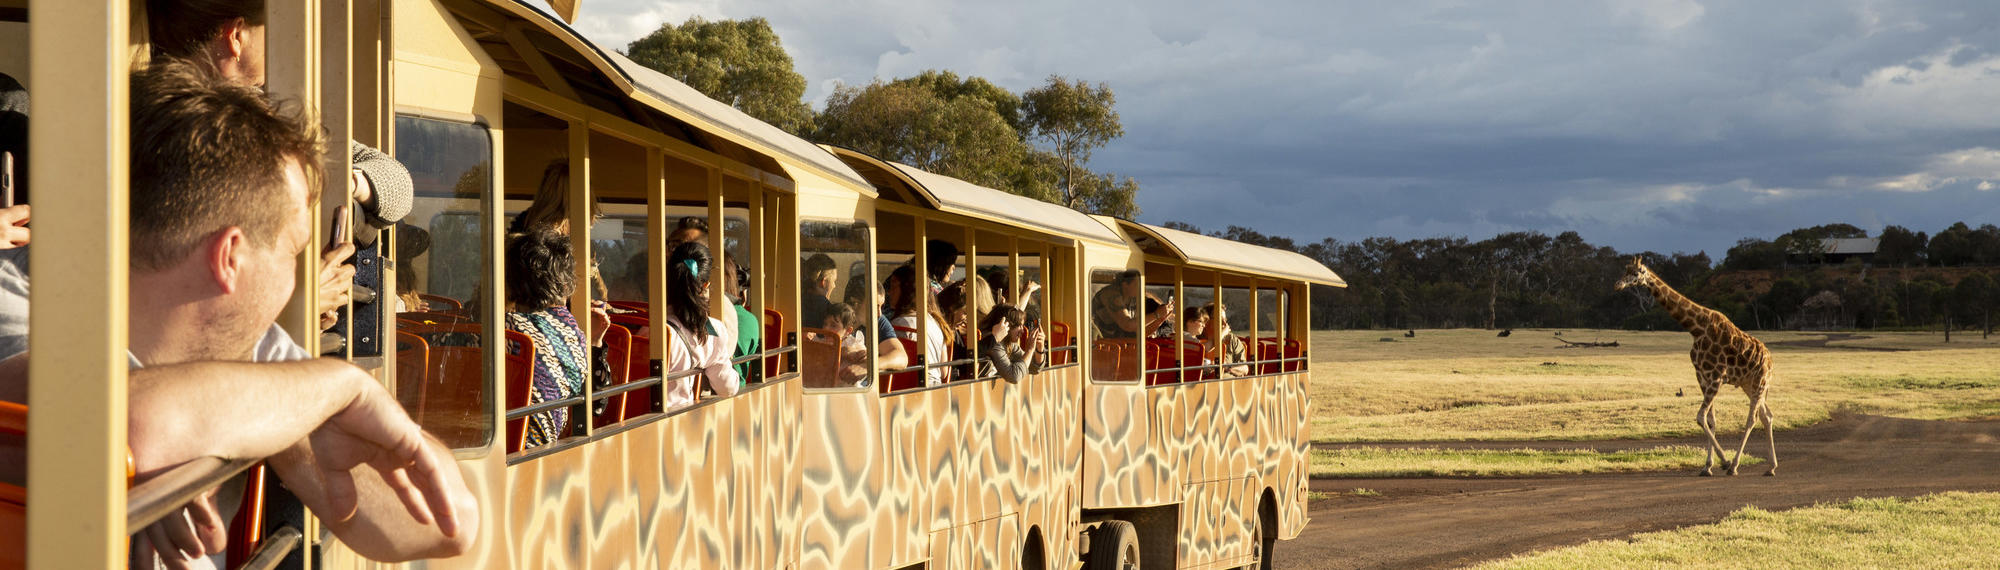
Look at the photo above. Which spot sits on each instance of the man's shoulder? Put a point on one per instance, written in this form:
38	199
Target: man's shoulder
277	346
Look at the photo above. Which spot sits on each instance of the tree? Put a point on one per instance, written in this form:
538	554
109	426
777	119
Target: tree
907	122
1973	300
1071	119
1900	247
1954	246
1754	254
738	62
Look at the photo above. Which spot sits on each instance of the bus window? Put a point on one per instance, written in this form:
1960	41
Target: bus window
839	306
440	256
1191	313
1114	350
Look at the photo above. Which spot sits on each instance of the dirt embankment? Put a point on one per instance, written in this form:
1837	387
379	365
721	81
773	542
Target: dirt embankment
1434	522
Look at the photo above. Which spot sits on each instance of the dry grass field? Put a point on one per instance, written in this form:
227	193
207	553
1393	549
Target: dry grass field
1947	530
1461	385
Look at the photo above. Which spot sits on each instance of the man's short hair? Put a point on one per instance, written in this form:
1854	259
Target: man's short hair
184	28
843	314
816	264
208	154
1126	276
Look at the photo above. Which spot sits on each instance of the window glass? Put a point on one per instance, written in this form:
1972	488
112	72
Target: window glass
1271	314
839	309
440	259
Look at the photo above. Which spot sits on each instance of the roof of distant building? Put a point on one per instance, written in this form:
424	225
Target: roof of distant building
1837	246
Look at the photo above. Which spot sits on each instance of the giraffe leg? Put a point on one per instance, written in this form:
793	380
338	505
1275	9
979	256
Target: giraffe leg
1749	427
1766	415
1705	417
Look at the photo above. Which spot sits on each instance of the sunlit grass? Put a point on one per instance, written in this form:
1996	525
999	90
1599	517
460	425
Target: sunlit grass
1434	462
1948	530
1471	385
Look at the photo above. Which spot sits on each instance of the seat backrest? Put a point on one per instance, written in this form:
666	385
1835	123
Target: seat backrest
639	306
617	354
519	377
1193	352
13	498
1269	351
774	330
1160	355
639	365
440	302
1292	350
413	357
905	380
819	358
1058	338
632	322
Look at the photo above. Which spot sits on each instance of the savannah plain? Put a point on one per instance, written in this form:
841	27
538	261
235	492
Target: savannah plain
1460	448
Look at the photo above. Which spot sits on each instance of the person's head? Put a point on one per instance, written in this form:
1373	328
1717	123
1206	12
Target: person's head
1195	322
898	288
1218	315
551	205
841	318
942	257
1001	322
225	37
859	292
1127	282
541	269
690	229
222	179
687	286
951	302
819	272
739	282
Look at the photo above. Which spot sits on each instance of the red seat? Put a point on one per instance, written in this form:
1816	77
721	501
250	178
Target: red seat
639	306
413	356
1058	338
1115	360
819	358
774	334
905	380
432	318
638	366
1160	356
1292	350
13	498
440	302
632	322
617	353
1269	351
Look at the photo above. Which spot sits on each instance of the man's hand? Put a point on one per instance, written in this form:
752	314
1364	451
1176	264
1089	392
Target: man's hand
600	321
186	535
14	227
373	430
336	283
364	193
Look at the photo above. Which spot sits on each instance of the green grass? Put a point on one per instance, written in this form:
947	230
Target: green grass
1948	530
1449	385
1434	462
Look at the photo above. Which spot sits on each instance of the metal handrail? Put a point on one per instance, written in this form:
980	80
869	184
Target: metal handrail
274	548
148	502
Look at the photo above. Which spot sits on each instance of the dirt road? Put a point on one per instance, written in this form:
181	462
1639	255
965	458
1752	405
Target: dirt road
1437	522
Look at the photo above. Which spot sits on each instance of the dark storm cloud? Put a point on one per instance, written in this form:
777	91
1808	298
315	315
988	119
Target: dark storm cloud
1664	125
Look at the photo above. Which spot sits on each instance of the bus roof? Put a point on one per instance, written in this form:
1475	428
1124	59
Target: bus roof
1217	253
952	195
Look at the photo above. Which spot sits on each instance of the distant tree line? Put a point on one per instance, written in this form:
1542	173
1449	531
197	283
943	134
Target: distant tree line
1530	279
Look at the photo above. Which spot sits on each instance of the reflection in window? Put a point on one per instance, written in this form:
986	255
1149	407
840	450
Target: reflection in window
440	367
839	314
1115	311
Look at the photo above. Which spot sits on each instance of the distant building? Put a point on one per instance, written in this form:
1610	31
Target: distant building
1840	250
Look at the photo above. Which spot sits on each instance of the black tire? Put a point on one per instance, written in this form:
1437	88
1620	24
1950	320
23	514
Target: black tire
1266	540
1114	545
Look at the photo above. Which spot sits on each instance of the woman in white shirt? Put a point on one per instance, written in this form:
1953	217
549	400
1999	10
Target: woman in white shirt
937	339
699	341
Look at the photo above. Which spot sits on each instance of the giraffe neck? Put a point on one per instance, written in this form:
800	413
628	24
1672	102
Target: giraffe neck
1680	307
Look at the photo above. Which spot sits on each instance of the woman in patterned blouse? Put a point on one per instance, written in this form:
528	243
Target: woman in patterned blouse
540	277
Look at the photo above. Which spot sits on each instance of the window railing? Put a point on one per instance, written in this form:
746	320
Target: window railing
155	499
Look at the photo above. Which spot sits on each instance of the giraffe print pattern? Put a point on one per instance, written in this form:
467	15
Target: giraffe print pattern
1723	355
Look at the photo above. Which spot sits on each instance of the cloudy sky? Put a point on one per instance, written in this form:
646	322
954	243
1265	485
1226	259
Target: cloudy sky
1667	125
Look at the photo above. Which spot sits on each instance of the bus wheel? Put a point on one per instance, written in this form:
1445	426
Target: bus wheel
1264	540
1113	546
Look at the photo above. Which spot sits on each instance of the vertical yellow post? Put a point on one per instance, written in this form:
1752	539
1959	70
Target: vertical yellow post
1255	319
717	246
336	114
76	425
972	332
754	244
292	71
919	283
656	259
580	222
1179	320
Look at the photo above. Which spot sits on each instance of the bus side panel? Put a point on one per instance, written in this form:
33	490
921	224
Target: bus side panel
1121	463
923	476
614	538
725	481
1289	448
548	511
842	466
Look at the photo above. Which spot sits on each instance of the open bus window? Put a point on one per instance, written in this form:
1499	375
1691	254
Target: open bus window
1114	349
440	252
839	319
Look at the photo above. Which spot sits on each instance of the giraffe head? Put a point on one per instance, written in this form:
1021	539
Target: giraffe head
1636	274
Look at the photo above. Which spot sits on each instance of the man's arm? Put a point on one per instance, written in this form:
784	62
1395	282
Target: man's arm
380	526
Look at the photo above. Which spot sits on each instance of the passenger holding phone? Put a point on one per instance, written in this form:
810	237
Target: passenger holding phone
1010	350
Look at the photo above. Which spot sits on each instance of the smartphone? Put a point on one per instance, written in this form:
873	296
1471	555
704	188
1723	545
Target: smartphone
337	234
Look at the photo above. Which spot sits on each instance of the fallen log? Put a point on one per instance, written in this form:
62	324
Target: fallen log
1572	344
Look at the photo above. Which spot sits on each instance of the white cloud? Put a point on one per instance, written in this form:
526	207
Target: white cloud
1979	166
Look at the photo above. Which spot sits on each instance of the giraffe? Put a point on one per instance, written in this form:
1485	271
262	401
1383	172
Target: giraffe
1722	354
